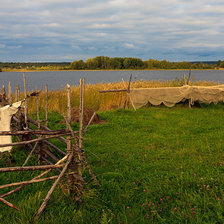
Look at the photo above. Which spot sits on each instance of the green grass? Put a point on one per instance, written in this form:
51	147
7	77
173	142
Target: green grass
156	165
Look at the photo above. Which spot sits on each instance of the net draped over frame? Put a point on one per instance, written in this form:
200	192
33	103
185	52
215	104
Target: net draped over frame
170	96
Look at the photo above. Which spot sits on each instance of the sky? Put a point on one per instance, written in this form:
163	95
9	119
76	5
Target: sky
69	30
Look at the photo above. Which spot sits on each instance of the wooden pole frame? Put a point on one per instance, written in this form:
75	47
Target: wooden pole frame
74	153
126	89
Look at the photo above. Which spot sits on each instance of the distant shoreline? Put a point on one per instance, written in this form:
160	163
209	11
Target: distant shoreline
69	70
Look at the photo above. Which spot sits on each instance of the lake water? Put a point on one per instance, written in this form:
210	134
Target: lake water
58	79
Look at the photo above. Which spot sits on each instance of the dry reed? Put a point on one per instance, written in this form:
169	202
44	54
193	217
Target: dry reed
97	101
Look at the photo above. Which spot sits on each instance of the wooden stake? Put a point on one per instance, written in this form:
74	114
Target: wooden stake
46	105
42	207
82	158
10	93
81	107
128	93
3	92
38	110
69	115
128	90
26	105
17	93
38	121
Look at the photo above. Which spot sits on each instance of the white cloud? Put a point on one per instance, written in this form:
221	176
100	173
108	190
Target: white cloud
136	27
131	46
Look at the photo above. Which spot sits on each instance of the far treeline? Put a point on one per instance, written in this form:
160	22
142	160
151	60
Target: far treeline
102	62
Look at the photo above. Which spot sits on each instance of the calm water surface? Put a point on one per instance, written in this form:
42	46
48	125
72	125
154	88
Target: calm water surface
58	79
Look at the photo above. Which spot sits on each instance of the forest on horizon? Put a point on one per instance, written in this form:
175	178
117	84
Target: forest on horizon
113	63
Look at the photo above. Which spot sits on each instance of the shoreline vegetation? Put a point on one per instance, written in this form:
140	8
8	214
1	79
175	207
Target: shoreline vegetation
106	63
103	101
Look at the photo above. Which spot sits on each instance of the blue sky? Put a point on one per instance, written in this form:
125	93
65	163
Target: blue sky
67	30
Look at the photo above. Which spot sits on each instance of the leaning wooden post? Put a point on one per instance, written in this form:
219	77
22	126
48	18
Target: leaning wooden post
38	121
10	93
18	92
69	115
128	91
16	97
81	108
38	110
3	92
42	207
46	105
26	105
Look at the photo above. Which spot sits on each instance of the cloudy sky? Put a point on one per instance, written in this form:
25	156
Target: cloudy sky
67	30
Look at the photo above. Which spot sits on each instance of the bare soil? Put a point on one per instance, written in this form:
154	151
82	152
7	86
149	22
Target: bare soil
87	114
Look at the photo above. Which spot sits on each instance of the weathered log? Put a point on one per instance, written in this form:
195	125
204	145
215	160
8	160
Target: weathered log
27	168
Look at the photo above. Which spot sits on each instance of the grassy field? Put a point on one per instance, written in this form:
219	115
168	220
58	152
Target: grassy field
155	165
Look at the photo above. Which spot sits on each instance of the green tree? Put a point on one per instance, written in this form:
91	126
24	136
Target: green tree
115	63
79	65
133	63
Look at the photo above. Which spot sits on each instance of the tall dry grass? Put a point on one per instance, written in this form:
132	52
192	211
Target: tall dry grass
101	101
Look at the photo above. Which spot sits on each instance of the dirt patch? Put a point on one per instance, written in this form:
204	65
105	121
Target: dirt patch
87	114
